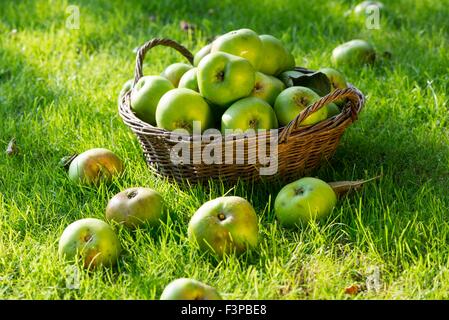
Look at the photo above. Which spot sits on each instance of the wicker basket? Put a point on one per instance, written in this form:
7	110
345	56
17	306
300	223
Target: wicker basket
300	149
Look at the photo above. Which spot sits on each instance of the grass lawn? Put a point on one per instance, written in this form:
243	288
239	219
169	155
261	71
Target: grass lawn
58	95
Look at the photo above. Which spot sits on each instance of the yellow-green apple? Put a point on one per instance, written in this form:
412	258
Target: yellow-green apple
146	94
224	78
94	166
244	43
125	88
180	107
175	71
304	200
189	289
332	110
267	87
189	80
286	77
292	101
201	54
225	225
249	113
134	207
275	58
361	9
353	53
90	240
337	80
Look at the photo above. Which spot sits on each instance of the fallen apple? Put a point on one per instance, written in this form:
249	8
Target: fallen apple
244	43
249	113
267	87
275	58
92	241
175	71
354	53
224	78
304	200
180	107
189	80
189	289
146	95
224	225
94	166
292	101
136	206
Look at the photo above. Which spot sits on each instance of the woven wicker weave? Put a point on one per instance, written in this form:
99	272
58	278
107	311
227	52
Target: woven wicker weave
300	149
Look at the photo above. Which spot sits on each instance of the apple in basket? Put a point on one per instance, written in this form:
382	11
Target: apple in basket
224	225
249	113
190	80
94	166
337	80
354	53
175	71
204	51
224	78
304	200
90	240
244	43
146	95
189	289
125	88
180	107
134	207
292	101
276	58
267	87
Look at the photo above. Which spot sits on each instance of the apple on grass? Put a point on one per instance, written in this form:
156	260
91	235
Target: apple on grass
267	87
189	289
95	165
224	225
175	71
249	113
292	101
244	43
146	95
275	57
189	80
354	53
304	200
92	241
134	207
224	78
180	107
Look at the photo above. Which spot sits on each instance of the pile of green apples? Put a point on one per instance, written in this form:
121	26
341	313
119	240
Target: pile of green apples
238	82
224	226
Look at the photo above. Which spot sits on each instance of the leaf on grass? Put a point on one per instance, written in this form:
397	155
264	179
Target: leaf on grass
343	187
353	289
67	160
12	149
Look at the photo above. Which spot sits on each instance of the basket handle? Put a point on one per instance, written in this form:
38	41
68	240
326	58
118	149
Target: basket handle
153	43
350	93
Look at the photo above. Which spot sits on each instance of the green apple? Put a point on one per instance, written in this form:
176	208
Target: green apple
249	113
189	80
362	7
354	53
267	87
337	80
332	110
189	289
175	71
201	54
304	200
94	166
276	58
286	77
134	207
125	88
225	225
92	241
224	78
146	94
180	107
292	101
244	43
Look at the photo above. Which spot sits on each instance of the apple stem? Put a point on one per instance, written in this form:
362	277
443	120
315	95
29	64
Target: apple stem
299	191
221	216
131	194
